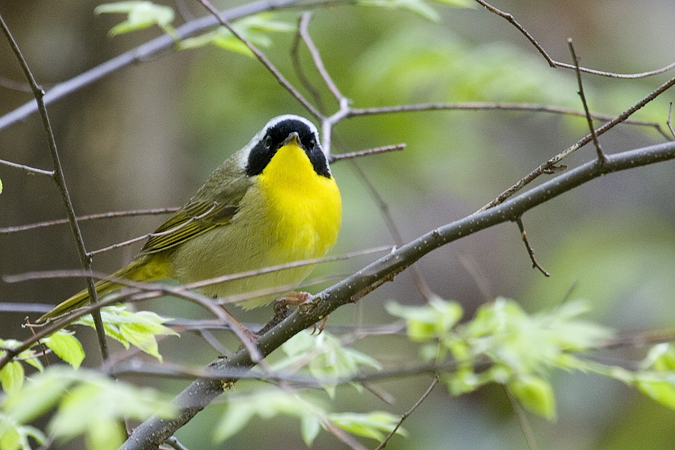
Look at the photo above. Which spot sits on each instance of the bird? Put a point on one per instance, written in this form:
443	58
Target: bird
273	202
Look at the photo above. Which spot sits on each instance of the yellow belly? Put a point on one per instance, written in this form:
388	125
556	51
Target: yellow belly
286	215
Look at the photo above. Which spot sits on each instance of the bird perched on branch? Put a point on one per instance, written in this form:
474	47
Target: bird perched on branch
273	202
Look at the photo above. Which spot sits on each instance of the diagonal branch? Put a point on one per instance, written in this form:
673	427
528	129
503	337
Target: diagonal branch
202	391
589	120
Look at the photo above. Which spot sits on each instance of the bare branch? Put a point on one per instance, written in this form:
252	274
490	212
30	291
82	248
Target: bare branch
406	414
316	56
553	63
530	250
29	170
594	136
418	279
300	72
367	152
80	219
480	106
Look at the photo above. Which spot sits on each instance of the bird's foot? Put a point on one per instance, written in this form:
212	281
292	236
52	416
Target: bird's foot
299	299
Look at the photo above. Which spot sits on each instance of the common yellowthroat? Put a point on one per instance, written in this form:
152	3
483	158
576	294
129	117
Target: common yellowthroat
273	202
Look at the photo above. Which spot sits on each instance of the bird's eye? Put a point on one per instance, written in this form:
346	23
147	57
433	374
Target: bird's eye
267	142
312	142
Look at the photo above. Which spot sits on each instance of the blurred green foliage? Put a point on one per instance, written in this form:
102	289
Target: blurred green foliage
148	136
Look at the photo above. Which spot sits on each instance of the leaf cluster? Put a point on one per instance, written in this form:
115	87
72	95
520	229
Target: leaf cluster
504	344
88	403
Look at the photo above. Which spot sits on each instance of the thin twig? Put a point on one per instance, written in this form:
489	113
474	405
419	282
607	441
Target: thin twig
80	219
480	106
316	56
406	414
175	443
48	274
291	265
327	123
367	152
530	250
119	244
598	149
522	420
29	170
60	181
554	63
300	72
668	122
263	59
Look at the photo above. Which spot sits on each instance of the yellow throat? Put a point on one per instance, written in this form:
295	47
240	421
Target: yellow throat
305	207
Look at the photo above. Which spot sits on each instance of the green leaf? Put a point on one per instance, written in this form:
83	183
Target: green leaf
418	7
9	438
368	425
66	347
309	428
325	357
41	393
252	28
232	422
106	435
11	377
659	386
140	338
535	394
661	391
94	405
140	15
268	403
89	404
264	403
458	3
429	321
132	328
0	186
32	360
661	357
14	436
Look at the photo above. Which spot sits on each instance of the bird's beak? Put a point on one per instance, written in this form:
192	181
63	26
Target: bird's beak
292	138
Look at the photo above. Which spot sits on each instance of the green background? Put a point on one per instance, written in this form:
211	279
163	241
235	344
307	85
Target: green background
148	135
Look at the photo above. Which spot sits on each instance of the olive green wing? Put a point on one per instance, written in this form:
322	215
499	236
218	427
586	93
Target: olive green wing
213	206
192	220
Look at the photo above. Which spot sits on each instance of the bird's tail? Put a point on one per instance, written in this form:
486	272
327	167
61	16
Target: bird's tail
145	268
